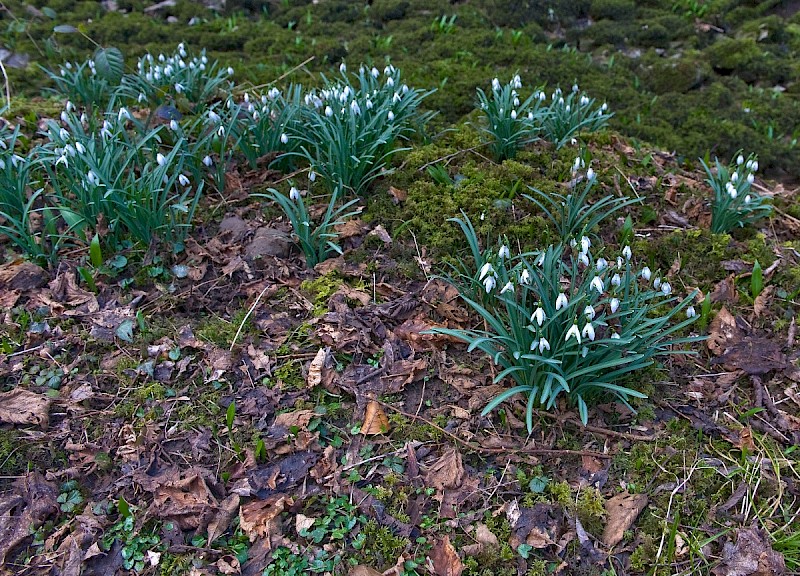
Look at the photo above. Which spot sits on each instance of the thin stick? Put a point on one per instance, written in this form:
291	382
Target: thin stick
285	74
8	87
246	316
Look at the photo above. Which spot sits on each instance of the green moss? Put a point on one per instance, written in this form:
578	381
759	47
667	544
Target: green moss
18	455
591	510
381	548
320	290
221	332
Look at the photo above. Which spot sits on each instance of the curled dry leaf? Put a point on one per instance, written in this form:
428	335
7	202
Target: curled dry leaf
722	332
445	559
446	472
375	420
622	511
316	367
19	406
261	518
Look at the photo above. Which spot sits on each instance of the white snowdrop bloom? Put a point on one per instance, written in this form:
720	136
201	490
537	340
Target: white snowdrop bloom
588	331
328	111
396	98
542	344
539	260
747	199
342	67
509	287
230	71
375	72
390	81
657	283
666	288
404	89
69	149
690	312
221	131
749	165
542	97
567	108
390	116
575	88
616	280
539	316
620	262
627	252
589	312
70	106
61	160
64	134
64	117
530	115
486	269
356	109
739	160
388	70
80	148
273	93
734	177
561	301
574	331
586	243
525	277
516	102
369	106
160	159
646	273
516	82
183	180
584	100
513	114
284	138
91	177
68	65
750	178
179	87
173	125
495	84
208	161
597	284
294	194
312	176
489	283
601	264
141	97
504	252
577	164
584	352
590	174
733	192
614	305
755	166
614	336
561	101
246	97
213	116
583	258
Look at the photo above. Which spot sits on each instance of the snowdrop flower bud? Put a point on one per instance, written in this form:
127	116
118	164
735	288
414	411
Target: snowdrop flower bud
749	165
294	194
69	149
620	262
646	273
509	287
567	108
213	116
589	312
183	180
178	87
740	160
390	81
616	280
755	165
355	107
614	336
64	134
80	148
312	176
588	331
590	174
516	102
230	71
614	305
342	67
574	331
503	252
597	284
561	301
539	316
750	178
747	199
90	176
173	125
525	277
657	283
690	312
221	131
732	191
585	243
495	84
284	138
70	106
734	177
666	288
601	264
64	117
604	107
577	164
584	100
489	283
627	252
208	161
390	116
160	159
328	111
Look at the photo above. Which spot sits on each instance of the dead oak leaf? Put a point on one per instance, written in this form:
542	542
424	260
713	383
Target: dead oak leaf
446	472
723	332
444	558
622	511
261	518
19	406
375	420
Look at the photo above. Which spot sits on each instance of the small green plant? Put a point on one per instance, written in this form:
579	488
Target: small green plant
70	497
317	241
735	203
560	323
508	122
567	116
756	280
91	84
444	25
135	545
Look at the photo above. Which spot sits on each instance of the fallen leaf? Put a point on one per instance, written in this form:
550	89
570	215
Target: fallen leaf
23	510
19	406
746	440
485	536
722	332
223	517
296	419
445	559
751	555
446	472
302	522
316	367
622	511
381	233
398	195
761	303
261	518
375	420
364	571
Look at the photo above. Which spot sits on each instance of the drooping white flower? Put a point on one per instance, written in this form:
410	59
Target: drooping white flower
666	288
646	273
213	116
588	331
690	312
123	113
173	125
747	199
390	116
750	178
614	305
64	134
486	269
160	159
525	277
590	174
294	194
230	71
616	280
597	284
540	260
561	301
509	287
80	148
495	84
740	160
489	283
504	252
179	87
542	344
539	316
583	258
183	180
589	312
574	331
657	283
208	161
734	177
64	117
614	336
601	264
627	252
585	244
284	138
513	114
755	166
312	176
355	108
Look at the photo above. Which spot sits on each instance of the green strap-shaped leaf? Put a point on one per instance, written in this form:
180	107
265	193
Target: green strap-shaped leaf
110	64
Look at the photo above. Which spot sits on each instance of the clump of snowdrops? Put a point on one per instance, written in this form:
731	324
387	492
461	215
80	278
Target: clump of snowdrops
735	203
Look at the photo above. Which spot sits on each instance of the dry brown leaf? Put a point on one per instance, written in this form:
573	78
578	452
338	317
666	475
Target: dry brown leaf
302	522
746	440
298	418
722	332
445	559
375	420
19	406
622	511
223	517
446	472
751	555
261	518
364	571
229	564
381	233
398	195
485	536
316	368
725	291
762	301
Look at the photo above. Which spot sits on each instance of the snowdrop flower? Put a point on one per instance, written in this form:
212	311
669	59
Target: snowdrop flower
585	244
342	67
503	252
369	106
489	283
513	114
739	160
495	84
213	116
61	160
601	264
312	176
80	148
734	177
91	177
627	252
567	108
64	117
690	312
657	283
221	131
294	194
561	301
614	336
584	100
576	165
69	149
574	331
284	138
525	277
666	288
70	106
584	352
539	316
486	269
516	82
604	107
584	258
588	331
539	260
509	287
390	81
747	199
179	87
614	305
375	73
616	280
328	111
183	180
590	174
750	178
208	161
755	166
230	71
123	113
141	97
542	344
160	159
589	312
173	125
355	107
84	118
516	102
620	262
390	116
646	273
597	284
64	134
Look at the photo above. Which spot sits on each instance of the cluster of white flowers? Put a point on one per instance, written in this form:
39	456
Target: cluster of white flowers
742	178
343	100
176	70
